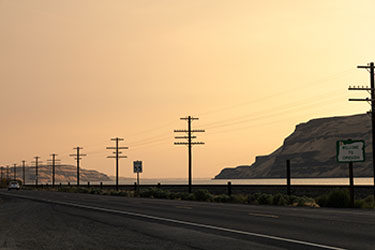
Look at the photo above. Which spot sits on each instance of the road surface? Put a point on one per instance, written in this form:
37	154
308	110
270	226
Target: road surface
56	220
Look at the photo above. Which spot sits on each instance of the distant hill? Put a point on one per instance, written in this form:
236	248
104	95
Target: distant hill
63	173
311	149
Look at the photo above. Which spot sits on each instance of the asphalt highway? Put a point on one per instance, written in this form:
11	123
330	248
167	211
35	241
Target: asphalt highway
56	220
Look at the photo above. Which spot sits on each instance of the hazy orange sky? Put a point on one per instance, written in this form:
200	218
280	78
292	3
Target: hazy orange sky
76	73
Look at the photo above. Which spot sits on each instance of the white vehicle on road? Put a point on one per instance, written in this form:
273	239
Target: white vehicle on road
13	185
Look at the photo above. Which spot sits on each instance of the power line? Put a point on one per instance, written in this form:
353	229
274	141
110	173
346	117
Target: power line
253	125
157	140
304	87
281	109
229	123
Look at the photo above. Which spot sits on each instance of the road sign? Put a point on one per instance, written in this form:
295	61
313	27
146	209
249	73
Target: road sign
350	151
137	166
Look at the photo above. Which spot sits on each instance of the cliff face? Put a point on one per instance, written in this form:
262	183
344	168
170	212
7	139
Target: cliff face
311	148
63	173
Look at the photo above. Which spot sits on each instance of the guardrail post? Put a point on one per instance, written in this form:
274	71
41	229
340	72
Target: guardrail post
229	188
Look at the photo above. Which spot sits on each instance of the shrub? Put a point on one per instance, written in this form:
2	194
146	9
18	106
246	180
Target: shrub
185	196
305	201
116	193
155	193
322	200
202	195
239	198
279	200
147	193
222	198
95	191
367	202
335	198
253	198
161	194
265	199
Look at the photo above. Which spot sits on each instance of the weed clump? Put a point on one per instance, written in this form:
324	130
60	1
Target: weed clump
335	198
202	195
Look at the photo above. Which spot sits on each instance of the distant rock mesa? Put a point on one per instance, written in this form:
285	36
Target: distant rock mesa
63	174
311	148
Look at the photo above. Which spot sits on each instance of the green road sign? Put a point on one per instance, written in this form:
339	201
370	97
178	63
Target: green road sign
350	151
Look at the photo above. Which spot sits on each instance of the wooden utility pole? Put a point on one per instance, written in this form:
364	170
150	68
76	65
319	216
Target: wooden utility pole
23	172
370	68
117	155
189	143
7	173
2	173
14	171
36	162
78	156
53	161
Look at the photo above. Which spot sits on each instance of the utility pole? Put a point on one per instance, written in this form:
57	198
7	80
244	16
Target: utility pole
15	171
370	68
189	143
2	173
7	173
117	155
78	156
36	162
54	160
23	172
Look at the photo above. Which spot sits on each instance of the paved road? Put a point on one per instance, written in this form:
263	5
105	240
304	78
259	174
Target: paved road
53	220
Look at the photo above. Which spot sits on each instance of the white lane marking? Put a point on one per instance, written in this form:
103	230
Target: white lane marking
183	207
306	243
263	215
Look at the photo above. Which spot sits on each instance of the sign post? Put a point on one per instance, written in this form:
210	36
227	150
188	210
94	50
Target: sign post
137	168
350	151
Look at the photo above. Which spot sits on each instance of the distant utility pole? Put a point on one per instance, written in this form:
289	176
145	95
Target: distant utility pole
189	142
53	161
78	156
15	171
36	162
7	173
117	155
370	68
23	172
